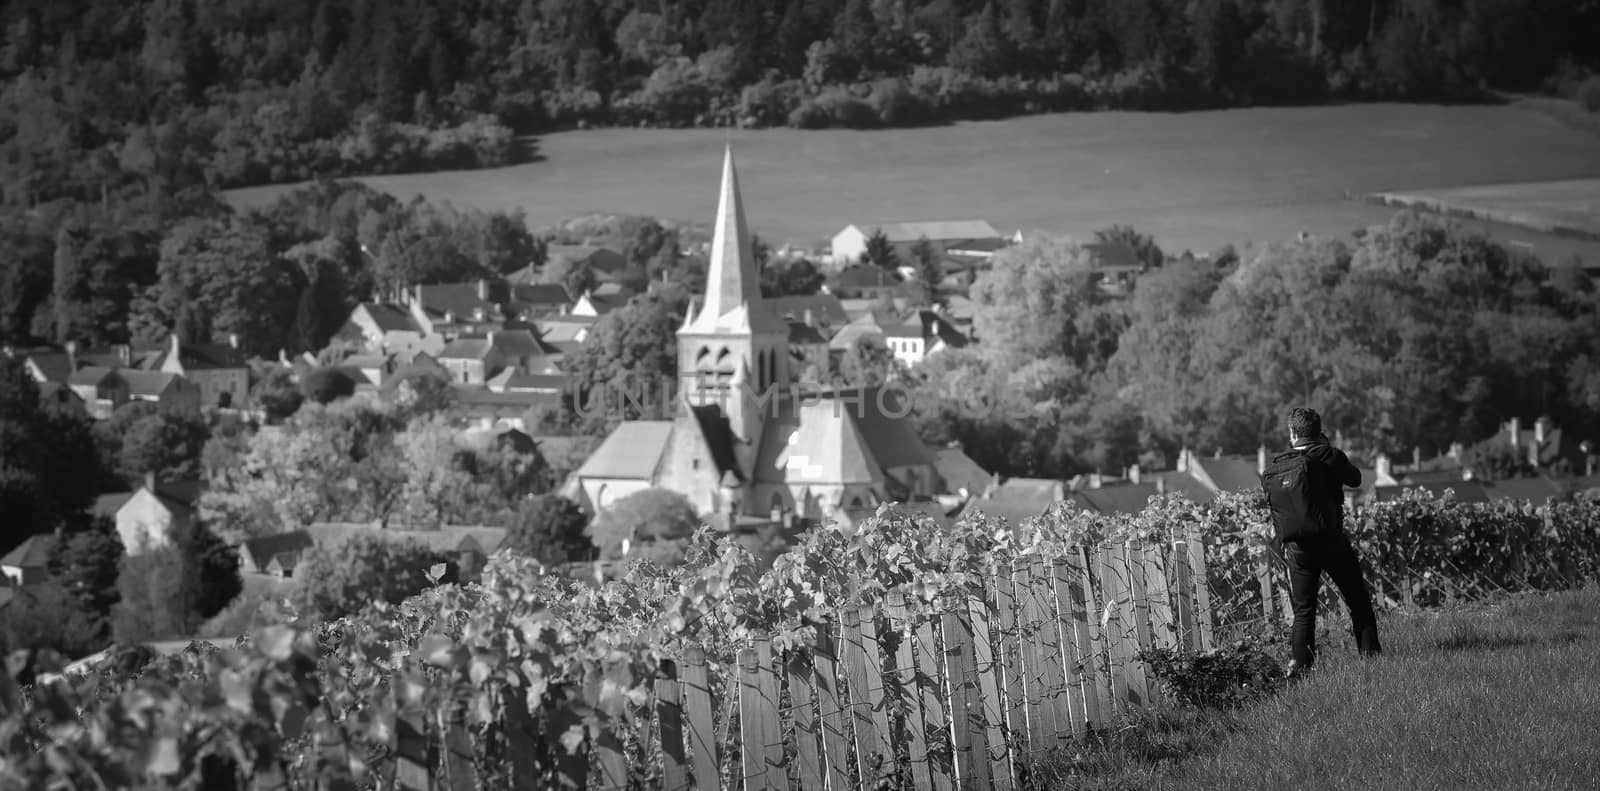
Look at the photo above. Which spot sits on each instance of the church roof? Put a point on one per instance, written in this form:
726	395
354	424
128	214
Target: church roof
718	435
821	445
633	451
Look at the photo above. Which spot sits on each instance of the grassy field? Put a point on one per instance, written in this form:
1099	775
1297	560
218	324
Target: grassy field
1503	696
1570	207
1194	180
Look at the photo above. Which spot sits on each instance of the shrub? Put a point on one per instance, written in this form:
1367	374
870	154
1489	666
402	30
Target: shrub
368	568
1221	678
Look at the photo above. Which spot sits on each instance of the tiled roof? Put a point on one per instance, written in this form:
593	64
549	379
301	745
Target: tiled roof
893	440
801	334
1182	483
465	349
33	552
1536	489
1017	499
862	329
259	552
180	497
633	451
109	504
865	276
199	357
91	376
1232	473
521	343
460	300
151	383
958	471
825	308
1121	498
825	446
53	366
390	318
470	396
935	230
511	380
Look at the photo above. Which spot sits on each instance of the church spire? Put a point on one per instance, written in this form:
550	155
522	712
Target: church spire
731	277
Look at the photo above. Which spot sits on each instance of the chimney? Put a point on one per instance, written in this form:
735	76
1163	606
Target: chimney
1384	468
233	339
150	481
809	318
1261	459
416	294
483	289
1094	480
1456	450
72	355
1416	457
1541	430
1133	474
1183	459
176	344
1515	434
124	353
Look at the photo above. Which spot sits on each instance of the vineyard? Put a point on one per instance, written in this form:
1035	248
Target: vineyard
905	655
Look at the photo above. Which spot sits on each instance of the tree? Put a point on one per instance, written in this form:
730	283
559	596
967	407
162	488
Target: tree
984	50
1026	305
880	251
928	262
277	394
84	563
50	468
1143	246
550	528
326	385
340	581
440	488
170	591
47	617
167	443
785	277
654	523
627	368
868	363
222	277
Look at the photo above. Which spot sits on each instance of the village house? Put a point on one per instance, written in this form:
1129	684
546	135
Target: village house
148	519
170	390
865	281
218	371
602	299
602	263
28	562
742	446
278	555
102	390
382	327
965	237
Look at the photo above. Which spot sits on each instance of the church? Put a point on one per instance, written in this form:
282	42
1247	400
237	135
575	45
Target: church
749	445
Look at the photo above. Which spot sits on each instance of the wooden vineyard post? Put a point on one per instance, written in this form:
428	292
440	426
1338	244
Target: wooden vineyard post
1128	559
969	746
520	735
930	684
831	713
1183	596
459	772
759	732
1042	599
1158	589
808	758
1040	728
905	667
861	662
1200	575
613	763
669	713
415	755
1097	695
1076	662
992	706
1114	626
1009	652
1264	579
699	726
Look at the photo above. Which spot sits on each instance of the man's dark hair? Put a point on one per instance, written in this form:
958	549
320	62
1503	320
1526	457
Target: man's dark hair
1305	423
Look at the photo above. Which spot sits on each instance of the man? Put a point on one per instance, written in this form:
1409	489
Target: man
1305	487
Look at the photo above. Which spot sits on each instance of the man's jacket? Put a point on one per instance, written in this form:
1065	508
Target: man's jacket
1332	471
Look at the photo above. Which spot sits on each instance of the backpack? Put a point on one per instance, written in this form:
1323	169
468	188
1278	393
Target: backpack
1294	486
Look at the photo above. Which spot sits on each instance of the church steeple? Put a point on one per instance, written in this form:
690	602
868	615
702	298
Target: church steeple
731	277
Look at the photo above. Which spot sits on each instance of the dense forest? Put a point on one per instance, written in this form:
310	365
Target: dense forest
102	96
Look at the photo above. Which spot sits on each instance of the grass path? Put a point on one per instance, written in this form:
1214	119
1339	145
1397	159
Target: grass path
1194	180
1503	696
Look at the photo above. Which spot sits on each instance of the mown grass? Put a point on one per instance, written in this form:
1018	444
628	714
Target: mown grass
1504	695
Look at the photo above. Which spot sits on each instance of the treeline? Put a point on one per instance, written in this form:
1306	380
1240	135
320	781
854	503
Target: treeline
282	278
1417	334
102	96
